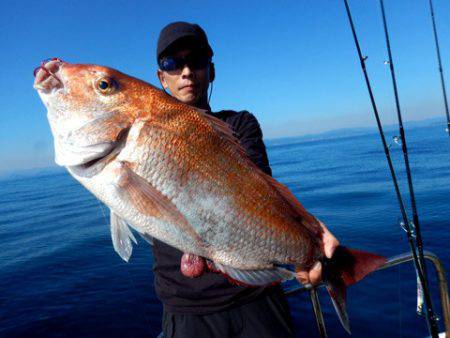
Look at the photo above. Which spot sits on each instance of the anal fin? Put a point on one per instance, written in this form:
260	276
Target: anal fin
256	277
147	238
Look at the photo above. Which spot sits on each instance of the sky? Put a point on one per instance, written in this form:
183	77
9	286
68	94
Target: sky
291	63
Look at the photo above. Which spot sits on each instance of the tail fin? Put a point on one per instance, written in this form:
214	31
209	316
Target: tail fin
347	267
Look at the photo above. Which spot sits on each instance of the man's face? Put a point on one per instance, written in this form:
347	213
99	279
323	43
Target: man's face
187	84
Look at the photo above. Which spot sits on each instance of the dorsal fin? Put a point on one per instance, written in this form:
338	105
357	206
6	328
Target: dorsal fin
308	220
225	131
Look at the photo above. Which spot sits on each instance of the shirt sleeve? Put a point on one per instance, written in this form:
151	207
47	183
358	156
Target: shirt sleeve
248	131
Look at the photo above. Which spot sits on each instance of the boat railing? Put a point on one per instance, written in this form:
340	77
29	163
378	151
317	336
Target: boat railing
392	261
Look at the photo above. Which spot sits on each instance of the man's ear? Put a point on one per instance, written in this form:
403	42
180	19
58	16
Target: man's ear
161	78
212	72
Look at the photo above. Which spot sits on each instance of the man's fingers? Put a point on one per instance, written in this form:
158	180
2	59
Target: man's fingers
315	274
330	245
329	242
303	277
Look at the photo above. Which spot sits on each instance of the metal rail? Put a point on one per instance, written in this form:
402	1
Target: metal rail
393	261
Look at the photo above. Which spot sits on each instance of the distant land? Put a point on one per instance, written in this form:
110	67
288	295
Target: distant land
348	132
335	133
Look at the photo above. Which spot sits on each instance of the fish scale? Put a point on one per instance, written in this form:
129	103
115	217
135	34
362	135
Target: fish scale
163	172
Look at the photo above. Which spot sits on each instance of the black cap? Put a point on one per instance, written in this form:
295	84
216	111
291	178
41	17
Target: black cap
182	30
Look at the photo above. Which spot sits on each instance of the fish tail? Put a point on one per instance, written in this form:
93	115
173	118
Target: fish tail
347	267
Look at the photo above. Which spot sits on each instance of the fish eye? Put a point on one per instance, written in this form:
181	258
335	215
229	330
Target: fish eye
105	85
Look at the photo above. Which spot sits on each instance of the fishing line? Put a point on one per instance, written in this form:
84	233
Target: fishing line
415	225
438	52
210	92
103	212
430	320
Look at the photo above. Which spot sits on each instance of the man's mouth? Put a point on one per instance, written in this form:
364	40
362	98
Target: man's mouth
46	76
189	86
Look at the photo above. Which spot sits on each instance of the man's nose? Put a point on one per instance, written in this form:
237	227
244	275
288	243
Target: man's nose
186	71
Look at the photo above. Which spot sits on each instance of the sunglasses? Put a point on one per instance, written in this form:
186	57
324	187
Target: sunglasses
194	61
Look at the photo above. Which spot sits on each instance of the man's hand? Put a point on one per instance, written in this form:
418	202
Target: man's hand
329	244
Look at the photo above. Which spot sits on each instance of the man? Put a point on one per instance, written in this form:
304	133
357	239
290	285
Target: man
208	305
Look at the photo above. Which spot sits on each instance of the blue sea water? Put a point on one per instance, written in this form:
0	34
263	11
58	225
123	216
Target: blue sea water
60	276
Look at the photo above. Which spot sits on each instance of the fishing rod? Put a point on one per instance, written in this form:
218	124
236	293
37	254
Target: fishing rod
438	52
432	325
416	224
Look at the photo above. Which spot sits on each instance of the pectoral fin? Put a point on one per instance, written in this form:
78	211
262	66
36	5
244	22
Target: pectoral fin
150	201
121	237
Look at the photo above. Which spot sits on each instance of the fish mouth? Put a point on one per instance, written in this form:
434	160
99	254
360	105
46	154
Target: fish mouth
47	77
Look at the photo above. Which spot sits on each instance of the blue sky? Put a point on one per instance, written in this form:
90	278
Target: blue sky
292	63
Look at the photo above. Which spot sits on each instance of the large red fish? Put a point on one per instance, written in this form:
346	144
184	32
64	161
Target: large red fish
172	172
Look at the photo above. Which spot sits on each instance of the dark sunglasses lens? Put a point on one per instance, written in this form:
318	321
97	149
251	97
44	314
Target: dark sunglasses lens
168	64
199	61
195	61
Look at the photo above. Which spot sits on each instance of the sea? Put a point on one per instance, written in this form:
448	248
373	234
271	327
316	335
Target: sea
60	277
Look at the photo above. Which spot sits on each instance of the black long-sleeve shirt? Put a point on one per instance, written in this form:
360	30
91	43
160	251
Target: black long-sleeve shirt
211	292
